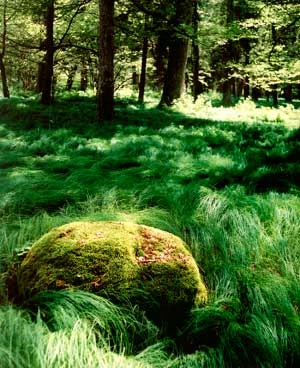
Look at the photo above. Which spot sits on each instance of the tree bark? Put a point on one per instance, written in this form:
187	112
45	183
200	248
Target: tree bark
160	52
288	93
71	76
226	85
47	79
226	90
142	83
275	95
175	76
5	89
83	75
195	52
105	93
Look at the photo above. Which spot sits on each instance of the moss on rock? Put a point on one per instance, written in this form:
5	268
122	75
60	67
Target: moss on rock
123	261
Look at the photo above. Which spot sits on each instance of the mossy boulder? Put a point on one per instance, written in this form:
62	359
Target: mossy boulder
120	260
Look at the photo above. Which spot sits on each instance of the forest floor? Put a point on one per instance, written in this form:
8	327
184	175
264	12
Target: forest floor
226	180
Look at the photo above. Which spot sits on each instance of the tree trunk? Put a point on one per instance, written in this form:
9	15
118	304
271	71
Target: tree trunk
40	77
142	83
275	95
226	90
46	98
105	96
239	87
195	52
298	91
255	93
226	85
288	93
71	76
83	75
5	89
246	87
160	53
175	75
245	44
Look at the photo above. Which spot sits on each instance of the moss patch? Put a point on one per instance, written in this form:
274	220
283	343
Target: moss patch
123	261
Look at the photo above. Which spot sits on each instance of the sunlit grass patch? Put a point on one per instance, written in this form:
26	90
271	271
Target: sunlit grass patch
245	110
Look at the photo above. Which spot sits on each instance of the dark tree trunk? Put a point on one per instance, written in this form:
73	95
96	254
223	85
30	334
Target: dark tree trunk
5	89
83	76
105	96
275	96
239	87
175	75
160	53
47	81
71	76
246	87
92	74
135	77
245	44
255	93
226	90
195	52
142	83
298	91
228	56
288	93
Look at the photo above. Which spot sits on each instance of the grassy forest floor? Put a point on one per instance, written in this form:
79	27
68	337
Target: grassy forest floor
226	180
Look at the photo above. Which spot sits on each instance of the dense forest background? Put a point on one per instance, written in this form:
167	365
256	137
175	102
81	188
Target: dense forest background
239	48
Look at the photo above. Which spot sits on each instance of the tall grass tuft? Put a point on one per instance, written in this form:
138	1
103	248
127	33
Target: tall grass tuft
25	343
123	329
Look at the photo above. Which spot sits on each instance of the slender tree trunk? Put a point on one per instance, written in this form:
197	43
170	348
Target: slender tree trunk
226	90
71	76
106	61
175	76
288	93
142	83
239	87
226	85
275	95
245	42
47	79
5	89
105	96
92	77
195	52
246	87
298	91
135	77
83	75
40	77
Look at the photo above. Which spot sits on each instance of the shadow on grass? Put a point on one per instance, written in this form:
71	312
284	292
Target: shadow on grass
57	155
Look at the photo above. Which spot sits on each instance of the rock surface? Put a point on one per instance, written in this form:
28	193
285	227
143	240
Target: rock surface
124	261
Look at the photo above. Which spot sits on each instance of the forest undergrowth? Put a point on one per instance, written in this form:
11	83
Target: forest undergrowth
225	180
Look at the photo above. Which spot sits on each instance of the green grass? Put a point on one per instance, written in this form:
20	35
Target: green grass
225	180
